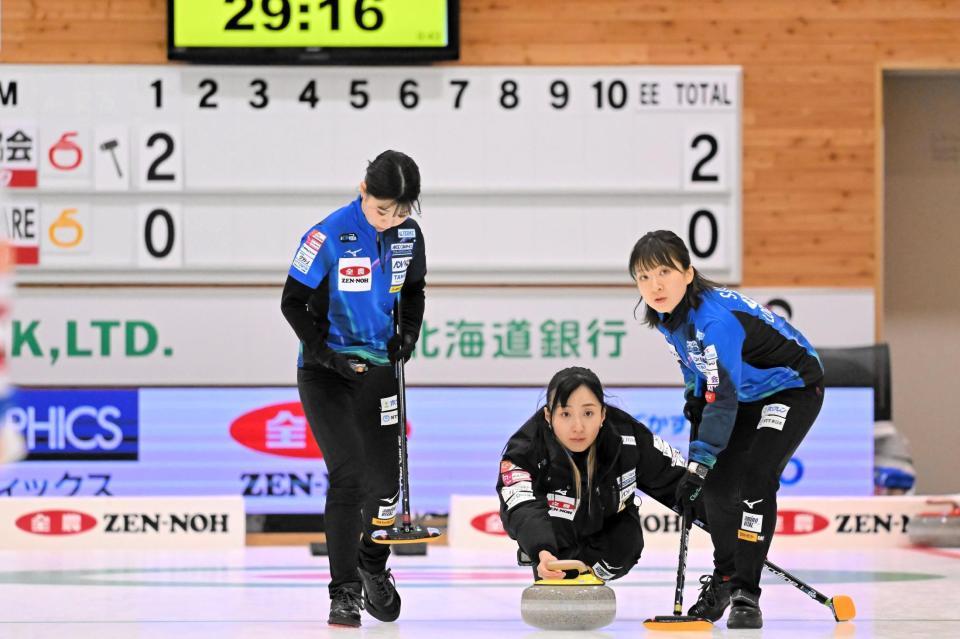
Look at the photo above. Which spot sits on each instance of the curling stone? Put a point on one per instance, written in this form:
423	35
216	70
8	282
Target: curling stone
583	603
939	529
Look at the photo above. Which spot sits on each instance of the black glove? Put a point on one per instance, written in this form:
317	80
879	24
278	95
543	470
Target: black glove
339	364
689	489
401	345
693	409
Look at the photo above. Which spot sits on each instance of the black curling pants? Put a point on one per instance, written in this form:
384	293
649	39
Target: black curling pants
740	494
612	552
356	426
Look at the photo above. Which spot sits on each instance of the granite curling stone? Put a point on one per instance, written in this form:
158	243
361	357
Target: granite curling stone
936	529
584	603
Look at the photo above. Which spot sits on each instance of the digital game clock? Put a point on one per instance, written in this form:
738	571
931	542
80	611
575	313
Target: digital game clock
313	31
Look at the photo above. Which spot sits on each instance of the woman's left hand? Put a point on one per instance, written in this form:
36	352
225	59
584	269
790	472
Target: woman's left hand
543	571
688	492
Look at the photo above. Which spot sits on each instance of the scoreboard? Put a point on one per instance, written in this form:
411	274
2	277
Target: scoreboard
171	174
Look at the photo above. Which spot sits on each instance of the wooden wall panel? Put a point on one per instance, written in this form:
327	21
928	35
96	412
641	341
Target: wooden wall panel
811	215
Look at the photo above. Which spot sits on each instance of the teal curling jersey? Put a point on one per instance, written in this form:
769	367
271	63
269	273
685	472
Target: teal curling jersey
364	271
732	349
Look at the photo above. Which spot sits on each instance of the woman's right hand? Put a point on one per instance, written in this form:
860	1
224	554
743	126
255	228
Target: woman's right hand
543	571
338	364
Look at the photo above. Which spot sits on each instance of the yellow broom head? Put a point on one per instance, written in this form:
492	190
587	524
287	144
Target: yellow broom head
677	623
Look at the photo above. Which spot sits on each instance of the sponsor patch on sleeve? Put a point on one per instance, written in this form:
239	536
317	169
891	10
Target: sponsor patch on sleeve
712	371
390	417
668	451
678	459
746	536
600	570
673	351
519	498
507	492
506	466
665	449
388	403
307	252
515	476
629	440
315	240
404	234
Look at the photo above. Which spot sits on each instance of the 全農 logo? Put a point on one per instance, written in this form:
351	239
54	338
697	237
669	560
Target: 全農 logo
489	523
799	522
355	271
56	522
278	429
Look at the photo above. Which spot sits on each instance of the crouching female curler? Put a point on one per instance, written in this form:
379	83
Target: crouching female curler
568	478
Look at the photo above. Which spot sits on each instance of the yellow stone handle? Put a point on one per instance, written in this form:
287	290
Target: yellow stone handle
569	564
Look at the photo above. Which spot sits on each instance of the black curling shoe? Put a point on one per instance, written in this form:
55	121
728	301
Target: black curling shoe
345	605
746	610
714	597
380	595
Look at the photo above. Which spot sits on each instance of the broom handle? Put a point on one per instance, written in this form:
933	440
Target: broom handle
402	425
682	566
793	580
684	540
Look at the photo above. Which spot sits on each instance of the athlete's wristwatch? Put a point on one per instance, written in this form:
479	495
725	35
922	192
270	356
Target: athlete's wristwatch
698	469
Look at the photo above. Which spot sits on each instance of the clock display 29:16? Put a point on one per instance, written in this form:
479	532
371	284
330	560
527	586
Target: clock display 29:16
280	13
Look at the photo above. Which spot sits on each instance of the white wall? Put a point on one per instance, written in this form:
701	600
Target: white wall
922	268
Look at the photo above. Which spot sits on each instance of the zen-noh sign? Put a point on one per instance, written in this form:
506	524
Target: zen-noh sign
529	174
118	523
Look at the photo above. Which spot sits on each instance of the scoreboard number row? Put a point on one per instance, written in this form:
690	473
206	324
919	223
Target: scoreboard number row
160	153
615	94
81	234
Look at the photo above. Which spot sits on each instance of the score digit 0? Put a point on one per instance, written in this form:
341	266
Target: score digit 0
160	241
